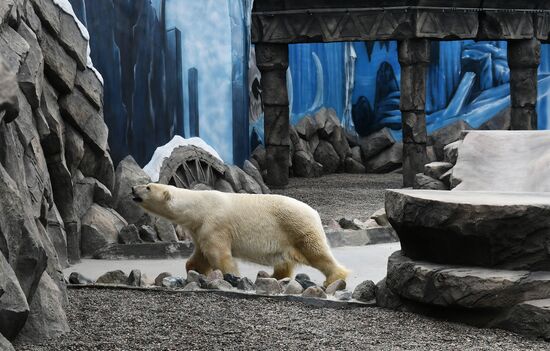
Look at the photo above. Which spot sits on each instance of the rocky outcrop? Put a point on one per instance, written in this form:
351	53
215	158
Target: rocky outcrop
54	162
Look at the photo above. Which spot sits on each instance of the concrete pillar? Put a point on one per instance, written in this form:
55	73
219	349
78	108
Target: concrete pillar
272	61
414	56
523	59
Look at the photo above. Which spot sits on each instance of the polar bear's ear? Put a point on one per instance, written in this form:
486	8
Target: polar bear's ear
167	196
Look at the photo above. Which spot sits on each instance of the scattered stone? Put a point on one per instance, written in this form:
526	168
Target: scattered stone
79	279
338	285
113	277
245	284
365	292
380	217
304	280
165	230
422	181
161	276
173	282
343	295
231	279
136	278
315	292
302	276
214	275
219	284
348	224
191	287
293	288
437	169
147	233
263	274
268	286
129	235
196	277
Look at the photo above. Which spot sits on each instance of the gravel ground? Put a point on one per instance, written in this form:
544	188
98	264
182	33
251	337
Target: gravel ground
146	320
343	195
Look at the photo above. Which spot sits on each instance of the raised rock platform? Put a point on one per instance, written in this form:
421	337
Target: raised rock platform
501	230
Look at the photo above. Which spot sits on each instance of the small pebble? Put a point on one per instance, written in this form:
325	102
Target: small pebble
268	286
219	284
77	278
293	288
191	287
160	277
231	279
314	291
343	295
135	278
214	275
194	276
113	277
245	284
284	282
172	282
365	292
336	286
263	274
302	276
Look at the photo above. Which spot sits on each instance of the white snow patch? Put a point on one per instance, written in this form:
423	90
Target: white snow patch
162	152
66	6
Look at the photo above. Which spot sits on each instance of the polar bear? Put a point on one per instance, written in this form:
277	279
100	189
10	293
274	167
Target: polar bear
271	230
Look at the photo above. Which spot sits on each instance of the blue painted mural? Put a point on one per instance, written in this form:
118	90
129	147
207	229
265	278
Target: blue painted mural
186	67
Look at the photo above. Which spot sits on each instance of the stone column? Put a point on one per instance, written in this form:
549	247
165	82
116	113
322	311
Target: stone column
414	56
272	61
523	60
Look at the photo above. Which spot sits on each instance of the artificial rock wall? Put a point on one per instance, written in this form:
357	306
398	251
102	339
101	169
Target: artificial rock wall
53	144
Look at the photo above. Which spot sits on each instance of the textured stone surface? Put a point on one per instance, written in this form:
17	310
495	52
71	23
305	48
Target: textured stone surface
255	174
165	230
267	286
446	135
9	102
470	287
450	152
60	68
437	169
528	318
100	227
88	83
113	277
31	72
388	160
490	229
14	309
47	317
129	235
306	127
422	181
375	143
366	291
128	174
315	292
327	156
511	161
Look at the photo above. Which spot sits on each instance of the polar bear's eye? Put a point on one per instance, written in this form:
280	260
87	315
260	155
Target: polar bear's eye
148	188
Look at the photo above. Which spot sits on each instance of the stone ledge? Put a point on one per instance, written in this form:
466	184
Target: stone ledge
315	302
468	287
488	229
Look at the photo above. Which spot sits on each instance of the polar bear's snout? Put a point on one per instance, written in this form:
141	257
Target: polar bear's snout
138	192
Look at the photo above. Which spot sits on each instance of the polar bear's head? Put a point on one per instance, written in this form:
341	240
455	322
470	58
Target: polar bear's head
154	198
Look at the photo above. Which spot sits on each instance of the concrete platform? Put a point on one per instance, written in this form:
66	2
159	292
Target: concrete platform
365	262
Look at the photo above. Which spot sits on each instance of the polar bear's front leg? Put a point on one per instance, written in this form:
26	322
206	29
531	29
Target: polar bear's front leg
218	254
198	262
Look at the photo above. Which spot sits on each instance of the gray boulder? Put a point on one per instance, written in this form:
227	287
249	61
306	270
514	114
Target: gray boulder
14	309
9	102
326	121
422	181
129	234
437	169
219	284
147	234
47	317
191	287
259	154
79	279
100	227
113	277
253	172
128	174
160	278
137	278
460	286
223	186
375	143
340	143
4	343
31	72
386	161
353	166
268	286
240	181
245	284
314	292
306	127
304	165
165	230
365	292
338	285
446	135
327	156
293	288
